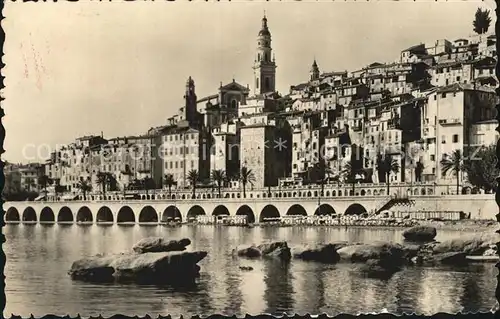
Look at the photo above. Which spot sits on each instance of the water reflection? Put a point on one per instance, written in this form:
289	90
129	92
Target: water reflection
279	287
39	256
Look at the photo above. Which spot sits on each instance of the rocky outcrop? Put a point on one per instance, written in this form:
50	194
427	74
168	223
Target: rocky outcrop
420	233
379	259
320	253
278	250
144	267
471	245
159	244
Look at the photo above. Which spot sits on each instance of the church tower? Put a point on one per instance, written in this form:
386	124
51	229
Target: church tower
264	68
190	99
314	71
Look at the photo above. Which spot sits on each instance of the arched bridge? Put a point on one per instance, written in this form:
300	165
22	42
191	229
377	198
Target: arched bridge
155	211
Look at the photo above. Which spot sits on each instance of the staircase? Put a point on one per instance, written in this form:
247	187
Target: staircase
395	201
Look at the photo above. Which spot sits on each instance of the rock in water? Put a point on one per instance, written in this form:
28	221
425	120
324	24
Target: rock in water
380	260
321	253
470	245
159	244
420	233
279	250
164	267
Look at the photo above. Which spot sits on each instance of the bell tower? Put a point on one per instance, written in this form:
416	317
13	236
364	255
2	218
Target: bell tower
264	67
190	99
314	73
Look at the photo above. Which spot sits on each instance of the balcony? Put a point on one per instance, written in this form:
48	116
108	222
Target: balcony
455	121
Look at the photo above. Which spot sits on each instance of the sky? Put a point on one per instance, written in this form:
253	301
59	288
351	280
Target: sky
75	69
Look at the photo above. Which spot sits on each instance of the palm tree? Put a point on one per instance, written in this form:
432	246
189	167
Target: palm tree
453	163
193	178
419	168
169	181
350	173
246	177
482	21
389	165
44	181
218	176
148	183
104	178
84	186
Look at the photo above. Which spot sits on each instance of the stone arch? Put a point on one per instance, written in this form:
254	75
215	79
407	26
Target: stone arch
375	193
334	193
309	194
29	214
220	210
295	194
415	191
65	215
363	192
285	194
104	214
270	211
324	210
171	213
194	211
148	215
340	193
12	215
84	214
423	191
225	196
47	215
246	210
430	191
351	193
232	195
382	192
327	194
355	209
368	193
296	209
125	215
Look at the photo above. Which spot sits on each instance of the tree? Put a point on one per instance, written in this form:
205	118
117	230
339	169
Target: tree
481	170
103	179
482	21
419	168
85	186
218	176
44	181
58	188
148	183
453	164
169	181
246	177
350	174
386	165
193	178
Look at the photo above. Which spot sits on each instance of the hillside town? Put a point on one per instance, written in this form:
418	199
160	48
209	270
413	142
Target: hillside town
406	121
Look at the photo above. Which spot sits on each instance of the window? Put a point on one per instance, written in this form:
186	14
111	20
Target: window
443	95
257	83
433	157
435	97
233	104
267	84
443	139
176	165
182	164
455	138
458	79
